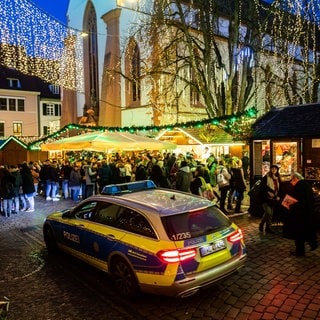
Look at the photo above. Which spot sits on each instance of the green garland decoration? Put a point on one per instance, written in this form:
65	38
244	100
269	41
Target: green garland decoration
226	122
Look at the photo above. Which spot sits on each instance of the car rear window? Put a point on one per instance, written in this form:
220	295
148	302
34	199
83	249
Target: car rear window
194	224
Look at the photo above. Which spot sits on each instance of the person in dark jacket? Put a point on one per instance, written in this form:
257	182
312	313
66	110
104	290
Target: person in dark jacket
52	183
269	190
196	182
28	189
65	176
183	177
300	223
239	183
104	175
158	177
75	183
7	190
18	183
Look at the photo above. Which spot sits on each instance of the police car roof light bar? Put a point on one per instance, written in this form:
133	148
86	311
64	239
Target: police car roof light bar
113	189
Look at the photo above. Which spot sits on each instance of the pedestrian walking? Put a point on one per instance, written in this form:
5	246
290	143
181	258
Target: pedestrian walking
223	181
269	191
239	184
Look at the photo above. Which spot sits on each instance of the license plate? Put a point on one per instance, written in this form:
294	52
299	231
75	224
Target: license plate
213	247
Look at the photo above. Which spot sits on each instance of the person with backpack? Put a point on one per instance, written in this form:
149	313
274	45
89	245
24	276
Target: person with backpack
223	181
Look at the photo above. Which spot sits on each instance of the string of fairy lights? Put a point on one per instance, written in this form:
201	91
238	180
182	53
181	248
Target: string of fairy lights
36	44
239	125
292	39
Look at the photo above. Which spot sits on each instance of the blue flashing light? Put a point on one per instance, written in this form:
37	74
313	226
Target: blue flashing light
113	189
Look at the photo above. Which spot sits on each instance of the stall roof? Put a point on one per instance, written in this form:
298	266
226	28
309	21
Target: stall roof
294	121
5	142
196	136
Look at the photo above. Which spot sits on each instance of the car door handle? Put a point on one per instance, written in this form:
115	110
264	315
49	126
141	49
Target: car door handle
111	236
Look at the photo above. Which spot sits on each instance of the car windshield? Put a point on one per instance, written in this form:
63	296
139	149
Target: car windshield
195	224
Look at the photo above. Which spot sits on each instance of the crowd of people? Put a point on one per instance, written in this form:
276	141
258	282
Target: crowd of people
79	179
225	177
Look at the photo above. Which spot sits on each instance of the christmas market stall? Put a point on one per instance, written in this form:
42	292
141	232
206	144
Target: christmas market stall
196	140
14	151
107	142
290	138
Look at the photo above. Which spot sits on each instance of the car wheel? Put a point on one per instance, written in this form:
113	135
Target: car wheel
124	279
50	240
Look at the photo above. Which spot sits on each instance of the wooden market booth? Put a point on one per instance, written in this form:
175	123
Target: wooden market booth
290	138
14	151
195	140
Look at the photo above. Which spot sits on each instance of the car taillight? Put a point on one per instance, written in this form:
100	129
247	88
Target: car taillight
235	236
178	255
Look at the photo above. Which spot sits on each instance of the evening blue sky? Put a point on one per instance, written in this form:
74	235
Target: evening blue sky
56	8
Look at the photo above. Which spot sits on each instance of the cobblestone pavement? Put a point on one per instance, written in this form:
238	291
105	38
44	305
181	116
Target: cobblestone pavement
272	285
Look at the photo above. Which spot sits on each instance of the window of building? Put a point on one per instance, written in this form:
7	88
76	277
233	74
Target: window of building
45	130
14	83
17	128
20	105
54	89
12	104
3	104
1	129
53	126
51	109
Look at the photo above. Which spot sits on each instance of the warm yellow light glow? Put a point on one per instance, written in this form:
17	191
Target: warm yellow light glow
34	43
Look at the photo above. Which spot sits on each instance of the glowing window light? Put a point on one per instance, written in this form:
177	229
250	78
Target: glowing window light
35	43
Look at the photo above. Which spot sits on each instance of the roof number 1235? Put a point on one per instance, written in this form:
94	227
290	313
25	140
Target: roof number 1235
181	236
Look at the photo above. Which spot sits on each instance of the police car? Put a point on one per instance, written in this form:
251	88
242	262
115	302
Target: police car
149	239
